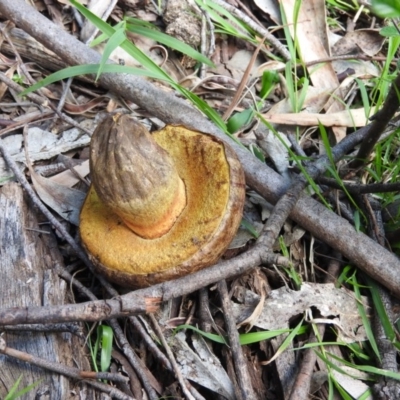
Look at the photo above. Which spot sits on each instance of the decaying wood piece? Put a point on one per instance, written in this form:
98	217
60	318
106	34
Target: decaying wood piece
27	278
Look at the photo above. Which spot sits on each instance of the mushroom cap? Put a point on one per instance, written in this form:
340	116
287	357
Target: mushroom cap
215	193
135	177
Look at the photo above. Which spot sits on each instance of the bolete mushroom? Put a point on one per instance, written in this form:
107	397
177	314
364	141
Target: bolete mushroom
161	205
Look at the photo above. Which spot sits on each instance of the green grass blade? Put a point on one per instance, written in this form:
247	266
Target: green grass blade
14	388
87	69
116	39
248	226
93	18
13	394
303	93
366	395
208	111
244	338
103	37
211	336
330	364
364	317
106	334
170	42
364	97
380	309
330	387
326	143
268	82
228	24
286	342
139	22
368	368
344	395
240	119
256	337
128	46
297	160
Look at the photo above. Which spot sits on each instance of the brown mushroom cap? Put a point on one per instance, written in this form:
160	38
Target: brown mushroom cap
135	177
215	191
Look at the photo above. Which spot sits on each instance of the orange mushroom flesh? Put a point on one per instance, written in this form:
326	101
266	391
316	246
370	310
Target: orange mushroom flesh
185	193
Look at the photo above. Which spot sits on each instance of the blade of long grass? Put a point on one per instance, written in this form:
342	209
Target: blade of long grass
128	46
380	309
330	387
297	160
106	334
115	40
244	338
332	365
228	24
170	42
342	392
150	65
247	225
285	343
332	168
93	18
87	69
364	317
14	388
368	368
364	97
16	395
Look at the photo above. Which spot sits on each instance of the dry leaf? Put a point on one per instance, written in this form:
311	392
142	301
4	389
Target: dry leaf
203	368
311	34
239	62
65	201
362	41
44	145
354	387
271	8
282	304
347	118
101	8
68	178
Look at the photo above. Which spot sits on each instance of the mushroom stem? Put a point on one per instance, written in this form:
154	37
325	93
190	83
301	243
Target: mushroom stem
135	177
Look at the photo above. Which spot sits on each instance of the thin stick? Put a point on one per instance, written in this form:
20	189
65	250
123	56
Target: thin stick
68	371
43	102
171	358
242	372
243	82
118	333
380	122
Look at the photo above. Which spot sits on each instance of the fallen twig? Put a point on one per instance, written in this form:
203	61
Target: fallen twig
182	381
242	373
379	123
301	386
69	371
385	387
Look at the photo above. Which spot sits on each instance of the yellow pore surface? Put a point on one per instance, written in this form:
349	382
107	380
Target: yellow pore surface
202	165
